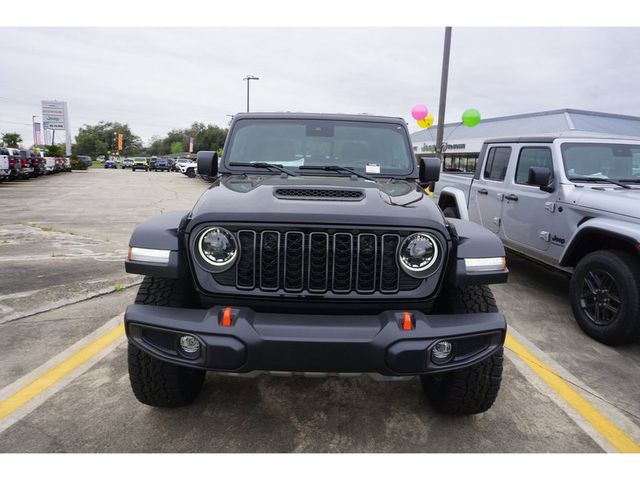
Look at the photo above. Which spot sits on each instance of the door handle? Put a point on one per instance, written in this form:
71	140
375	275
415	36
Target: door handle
483	191
511	196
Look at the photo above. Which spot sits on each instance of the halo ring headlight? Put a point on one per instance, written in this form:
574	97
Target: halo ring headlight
218	247
418	253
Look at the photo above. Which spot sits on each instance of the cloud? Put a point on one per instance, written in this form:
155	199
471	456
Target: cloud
157	79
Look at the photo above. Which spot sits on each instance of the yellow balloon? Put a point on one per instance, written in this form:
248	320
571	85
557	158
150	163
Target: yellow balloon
429	120
423	123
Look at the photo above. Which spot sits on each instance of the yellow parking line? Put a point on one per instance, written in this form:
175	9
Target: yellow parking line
591	414
57	373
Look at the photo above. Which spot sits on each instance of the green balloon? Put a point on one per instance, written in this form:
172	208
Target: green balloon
471	117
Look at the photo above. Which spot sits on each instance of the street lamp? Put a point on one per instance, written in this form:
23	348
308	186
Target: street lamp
248	78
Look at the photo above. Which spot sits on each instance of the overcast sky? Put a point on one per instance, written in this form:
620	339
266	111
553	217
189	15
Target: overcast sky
156	79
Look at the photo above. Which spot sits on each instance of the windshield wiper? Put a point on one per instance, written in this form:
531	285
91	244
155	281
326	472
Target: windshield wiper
270	166
629	180
337	168
599	180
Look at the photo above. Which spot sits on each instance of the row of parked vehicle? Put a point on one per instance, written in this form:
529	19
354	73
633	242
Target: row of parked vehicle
19	163
157	164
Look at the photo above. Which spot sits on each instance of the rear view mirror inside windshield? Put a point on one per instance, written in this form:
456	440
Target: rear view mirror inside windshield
319	130
621	151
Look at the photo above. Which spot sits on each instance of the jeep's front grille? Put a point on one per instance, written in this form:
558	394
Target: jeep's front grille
318	262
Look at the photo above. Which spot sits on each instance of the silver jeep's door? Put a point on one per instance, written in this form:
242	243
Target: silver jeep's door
488	190
527	213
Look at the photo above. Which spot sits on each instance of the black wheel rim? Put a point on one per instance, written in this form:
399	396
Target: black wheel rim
600	297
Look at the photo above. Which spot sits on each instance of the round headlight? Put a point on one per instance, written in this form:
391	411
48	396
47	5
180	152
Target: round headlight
418	253
218	247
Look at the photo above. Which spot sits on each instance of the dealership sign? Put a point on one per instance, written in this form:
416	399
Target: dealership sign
54	115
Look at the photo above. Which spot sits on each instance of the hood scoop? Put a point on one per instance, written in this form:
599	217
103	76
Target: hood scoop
321	193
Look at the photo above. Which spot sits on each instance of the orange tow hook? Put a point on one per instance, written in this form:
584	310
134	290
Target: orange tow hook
226	320
407	321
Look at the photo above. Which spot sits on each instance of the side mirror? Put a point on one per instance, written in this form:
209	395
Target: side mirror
541	177
207	163
429	169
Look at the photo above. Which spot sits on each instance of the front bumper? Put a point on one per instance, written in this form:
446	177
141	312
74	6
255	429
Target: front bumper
314	343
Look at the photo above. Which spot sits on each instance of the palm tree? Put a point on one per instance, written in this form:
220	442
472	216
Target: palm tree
11	139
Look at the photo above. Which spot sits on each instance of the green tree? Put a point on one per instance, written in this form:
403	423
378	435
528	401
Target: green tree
11	139
95	140
205	137
176	147
54	150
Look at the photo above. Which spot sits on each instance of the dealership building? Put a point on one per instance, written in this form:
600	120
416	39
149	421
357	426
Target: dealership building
462	144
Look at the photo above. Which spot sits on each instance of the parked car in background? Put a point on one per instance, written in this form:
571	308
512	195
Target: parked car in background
160	164
51	165
569	202
140	164
5	171
152	162
25	161
101	158
127	163
86	159
15	163
188	168
33	162
110	164
41	164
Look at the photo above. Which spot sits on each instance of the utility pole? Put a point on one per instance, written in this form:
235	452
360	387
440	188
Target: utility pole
443	90
248	79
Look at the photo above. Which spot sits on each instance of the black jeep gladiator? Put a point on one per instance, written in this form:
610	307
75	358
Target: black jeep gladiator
316	249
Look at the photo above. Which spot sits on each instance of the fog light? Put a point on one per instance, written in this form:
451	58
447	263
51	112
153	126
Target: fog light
189	344
441	351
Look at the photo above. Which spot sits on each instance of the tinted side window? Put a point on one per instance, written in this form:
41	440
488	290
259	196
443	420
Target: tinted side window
497	163
532	157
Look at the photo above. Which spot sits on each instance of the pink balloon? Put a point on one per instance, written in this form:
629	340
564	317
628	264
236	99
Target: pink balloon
419	112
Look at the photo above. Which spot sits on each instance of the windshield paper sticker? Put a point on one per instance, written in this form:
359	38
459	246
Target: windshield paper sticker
372	168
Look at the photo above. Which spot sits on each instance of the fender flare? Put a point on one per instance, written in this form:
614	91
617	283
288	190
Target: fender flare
455	196
158	233
625	231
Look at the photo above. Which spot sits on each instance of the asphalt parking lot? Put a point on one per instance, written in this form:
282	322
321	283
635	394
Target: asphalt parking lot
63	240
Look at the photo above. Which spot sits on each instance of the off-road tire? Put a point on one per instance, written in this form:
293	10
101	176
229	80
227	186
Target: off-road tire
191	173
472	389
156	382
624	268
162	384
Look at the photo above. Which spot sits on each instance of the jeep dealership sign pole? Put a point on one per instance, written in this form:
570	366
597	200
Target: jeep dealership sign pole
55	116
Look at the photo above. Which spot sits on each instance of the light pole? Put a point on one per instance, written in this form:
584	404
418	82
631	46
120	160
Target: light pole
443	90
248	78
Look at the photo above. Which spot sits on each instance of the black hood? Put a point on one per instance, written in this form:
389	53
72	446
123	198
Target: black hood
256	199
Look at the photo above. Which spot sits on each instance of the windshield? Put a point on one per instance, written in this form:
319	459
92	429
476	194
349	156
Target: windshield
368	147
601	161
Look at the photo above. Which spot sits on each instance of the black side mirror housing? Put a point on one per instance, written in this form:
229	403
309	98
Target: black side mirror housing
207	163
541	177
428	170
